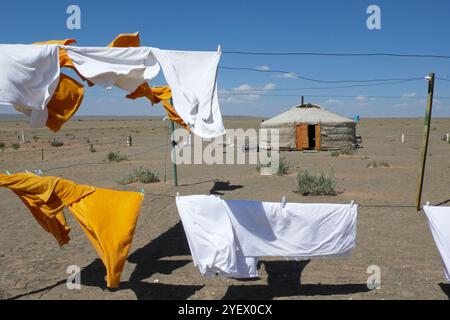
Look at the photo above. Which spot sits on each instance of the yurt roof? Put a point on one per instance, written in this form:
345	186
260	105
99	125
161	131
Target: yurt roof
308	113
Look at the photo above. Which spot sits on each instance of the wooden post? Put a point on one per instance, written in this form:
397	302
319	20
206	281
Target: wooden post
303	100
42	154
427	124
174	143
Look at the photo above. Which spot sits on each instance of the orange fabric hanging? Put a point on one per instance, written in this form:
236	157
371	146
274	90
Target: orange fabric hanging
107	217
124	40
46	197
64	103
156	95
109	220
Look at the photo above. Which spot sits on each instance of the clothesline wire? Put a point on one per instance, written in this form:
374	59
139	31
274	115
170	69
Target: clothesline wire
325	95
334	54
295	75
324	87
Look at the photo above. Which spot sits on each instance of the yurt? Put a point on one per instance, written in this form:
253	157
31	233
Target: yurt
310	127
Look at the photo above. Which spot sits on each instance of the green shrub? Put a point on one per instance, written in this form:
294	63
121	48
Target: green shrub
2	145
15	146
310	184
142	175
56	143
335	154
283	166
116	157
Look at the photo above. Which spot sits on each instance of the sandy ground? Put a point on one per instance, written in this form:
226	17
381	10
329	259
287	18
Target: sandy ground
398	240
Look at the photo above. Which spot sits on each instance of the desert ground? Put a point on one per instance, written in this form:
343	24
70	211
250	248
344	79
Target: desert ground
391	233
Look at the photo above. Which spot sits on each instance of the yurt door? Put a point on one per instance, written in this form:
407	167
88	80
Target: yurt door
318	141
302	140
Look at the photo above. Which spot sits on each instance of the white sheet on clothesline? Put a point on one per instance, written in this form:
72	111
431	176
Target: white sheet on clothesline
229	236
439	221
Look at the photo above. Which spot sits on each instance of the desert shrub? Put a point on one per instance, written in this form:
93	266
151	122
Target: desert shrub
372	164
15	146
310	184
348	152
365	158
2	145
379	164
116	156
56	143
283	166
35	137
92	148
142	175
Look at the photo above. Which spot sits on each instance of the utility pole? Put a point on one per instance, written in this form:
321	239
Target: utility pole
174	153
426	136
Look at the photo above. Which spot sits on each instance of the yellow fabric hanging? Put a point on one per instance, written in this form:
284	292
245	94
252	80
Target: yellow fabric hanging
64	103
124	40
107	217
156	95
46	197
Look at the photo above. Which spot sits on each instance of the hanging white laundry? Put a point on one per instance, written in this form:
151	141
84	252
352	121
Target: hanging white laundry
192	77
213	249
439	221
126	68
28	78
251	229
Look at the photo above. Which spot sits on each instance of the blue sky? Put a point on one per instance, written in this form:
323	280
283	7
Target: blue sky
414	26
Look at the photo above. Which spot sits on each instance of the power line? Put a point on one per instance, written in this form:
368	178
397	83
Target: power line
294	75
325	95
328	54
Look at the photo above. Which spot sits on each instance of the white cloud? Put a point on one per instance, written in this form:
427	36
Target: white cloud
269	86
284	76
333	102
243	87
409	95
361	98
263	68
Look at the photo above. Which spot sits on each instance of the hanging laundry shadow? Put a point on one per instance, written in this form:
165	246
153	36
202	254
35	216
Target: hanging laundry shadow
147	260
171	243
446	288
223	186
284	280
48	288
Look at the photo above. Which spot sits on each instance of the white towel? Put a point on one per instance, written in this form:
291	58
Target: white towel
229	236
28	78
439	221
